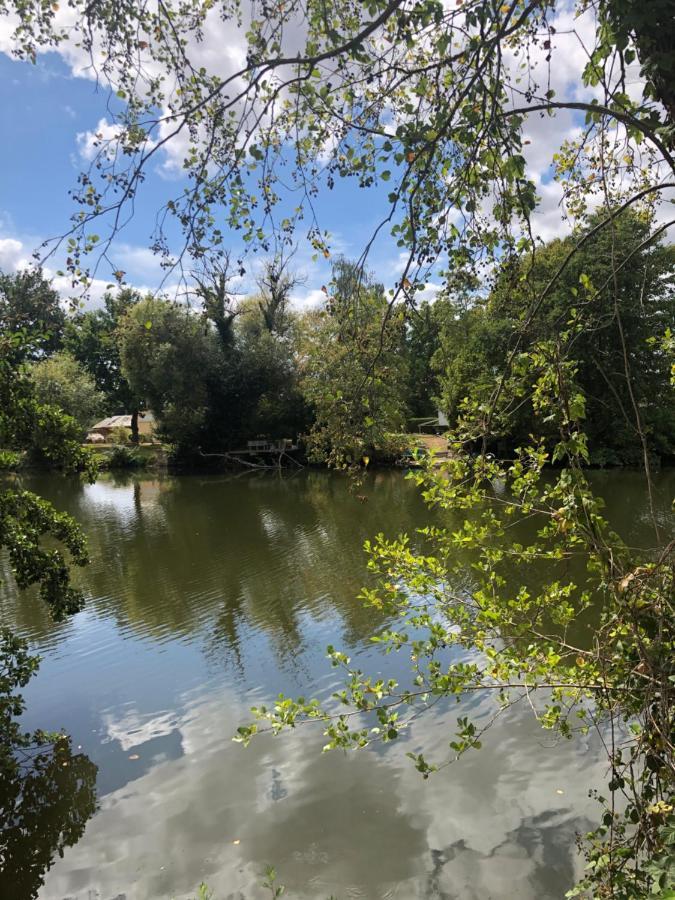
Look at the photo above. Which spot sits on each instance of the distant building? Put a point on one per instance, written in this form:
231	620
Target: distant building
146	426
437	424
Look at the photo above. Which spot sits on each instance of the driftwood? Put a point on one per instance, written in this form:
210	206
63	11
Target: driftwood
235	457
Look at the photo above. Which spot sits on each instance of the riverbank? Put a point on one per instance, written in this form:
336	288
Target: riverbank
403	451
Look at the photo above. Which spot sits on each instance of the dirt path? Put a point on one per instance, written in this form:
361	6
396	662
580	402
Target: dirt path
432	442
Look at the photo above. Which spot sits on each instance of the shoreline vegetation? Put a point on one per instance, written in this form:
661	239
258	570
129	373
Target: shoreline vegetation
404	452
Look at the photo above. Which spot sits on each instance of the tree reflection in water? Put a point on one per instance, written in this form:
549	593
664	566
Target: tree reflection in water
47	792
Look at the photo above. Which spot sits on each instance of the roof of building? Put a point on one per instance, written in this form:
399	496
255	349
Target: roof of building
121	421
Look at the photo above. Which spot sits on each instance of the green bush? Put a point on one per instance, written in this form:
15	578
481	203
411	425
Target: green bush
119	436
10	460
124	458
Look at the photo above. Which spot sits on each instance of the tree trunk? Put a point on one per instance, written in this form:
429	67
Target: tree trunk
134	426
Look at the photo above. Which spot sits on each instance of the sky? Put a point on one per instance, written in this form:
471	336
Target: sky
52	109
52	114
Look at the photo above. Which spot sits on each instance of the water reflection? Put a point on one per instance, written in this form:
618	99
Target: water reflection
44	808
357	826
172	557
207	595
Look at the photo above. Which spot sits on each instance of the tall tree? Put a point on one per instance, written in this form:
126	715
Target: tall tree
210	388
421	345
619	290
618	366
267	336
92	339
218	297
25	519
31	308
276	284
171	358
353	370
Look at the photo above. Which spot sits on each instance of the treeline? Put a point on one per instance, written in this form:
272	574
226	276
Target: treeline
597	307
349	375
221	369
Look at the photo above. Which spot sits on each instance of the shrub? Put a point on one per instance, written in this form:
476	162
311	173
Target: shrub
10	460
124	458
119	436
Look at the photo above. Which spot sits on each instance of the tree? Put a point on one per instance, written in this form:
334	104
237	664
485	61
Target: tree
26	519
267	339
62	382
30	307
92	339
617	365
211	384
46	791
421	345
218	298
622	375
171	357
473	348
353	369
276	283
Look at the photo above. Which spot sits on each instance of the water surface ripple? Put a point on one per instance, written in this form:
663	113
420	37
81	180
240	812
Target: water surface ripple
208	595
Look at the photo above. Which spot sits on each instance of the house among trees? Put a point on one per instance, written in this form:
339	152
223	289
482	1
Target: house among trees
104	428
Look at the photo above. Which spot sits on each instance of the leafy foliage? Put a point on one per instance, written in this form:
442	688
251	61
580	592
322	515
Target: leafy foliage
353	369
121	457
25	519
62	382
414	94
91	338
421	346
213	384
613	315
47	793
170	358
30	308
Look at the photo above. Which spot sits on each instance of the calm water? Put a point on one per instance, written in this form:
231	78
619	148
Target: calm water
208	595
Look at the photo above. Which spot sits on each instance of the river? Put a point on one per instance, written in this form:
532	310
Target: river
207	595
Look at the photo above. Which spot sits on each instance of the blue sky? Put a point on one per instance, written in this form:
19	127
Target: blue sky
50	108
48	111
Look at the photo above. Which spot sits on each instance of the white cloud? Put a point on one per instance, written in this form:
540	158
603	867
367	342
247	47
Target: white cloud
89	142
430	292
13	255
8	23
218	813
140	262
103	141
134	729
310	299
72	295
143	266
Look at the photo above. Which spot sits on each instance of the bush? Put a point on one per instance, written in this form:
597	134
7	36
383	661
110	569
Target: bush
119	436
61	381
123	458
10	460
